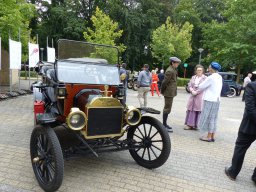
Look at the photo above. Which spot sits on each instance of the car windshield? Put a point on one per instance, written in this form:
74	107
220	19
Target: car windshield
86	63
87	73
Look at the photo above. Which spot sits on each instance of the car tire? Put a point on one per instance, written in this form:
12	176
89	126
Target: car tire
151	144
135	85
232	92
187	89
129	84
46	158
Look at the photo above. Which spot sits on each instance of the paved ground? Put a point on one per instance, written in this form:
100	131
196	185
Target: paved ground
193	165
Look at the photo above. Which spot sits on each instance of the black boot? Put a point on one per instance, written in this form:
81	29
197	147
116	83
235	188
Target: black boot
168	128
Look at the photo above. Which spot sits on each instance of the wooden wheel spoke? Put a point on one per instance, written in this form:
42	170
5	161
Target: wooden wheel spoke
137	136
50	172
143	153
154	135
156	147
145	131
149	157
153	152
149	130
157	141
137	150
141	132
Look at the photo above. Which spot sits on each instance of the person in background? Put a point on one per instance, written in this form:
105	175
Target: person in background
195	101
144	82
211	101
161	78
246	134
246	81
154	85
156	70
169	89
124	79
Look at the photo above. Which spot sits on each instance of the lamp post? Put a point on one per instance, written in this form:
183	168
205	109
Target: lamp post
42	53
200	52
145	49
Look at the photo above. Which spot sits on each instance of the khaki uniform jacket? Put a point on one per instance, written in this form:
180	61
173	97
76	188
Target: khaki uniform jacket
169	84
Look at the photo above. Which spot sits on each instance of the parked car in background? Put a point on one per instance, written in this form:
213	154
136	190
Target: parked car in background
230	79
132	83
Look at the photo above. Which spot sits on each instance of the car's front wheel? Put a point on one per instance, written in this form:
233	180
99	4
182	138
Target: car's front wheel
151	143
47	158
232	92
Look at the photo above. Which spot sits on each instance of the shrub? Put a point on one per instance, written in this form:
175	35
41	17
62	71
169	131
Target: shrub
182	82
25	73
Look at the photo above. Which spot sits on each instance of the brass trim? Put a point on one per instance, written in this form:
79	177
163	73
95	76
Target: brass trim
129	110
75	110
102	136
61	97
106	103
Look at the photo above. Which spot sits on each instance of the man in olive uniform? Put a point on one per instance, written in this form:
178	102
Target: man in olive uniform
169	89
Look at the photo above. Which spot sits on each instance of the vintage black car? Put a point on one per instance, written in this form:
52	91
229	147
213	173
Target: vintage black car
77	111
230	80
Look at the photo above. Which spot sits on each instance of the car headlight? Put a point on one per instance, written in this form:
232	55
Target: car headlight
76	119
133	116
61	91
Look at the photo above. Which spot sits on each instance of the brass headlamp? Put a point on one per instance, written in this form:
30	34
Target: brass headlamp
76	119
132	116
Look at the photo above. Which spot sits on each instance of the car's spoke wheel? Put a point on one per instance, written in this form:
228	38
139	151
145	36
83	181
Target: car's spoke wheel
135	85
232	92
151	143
46	157
129	84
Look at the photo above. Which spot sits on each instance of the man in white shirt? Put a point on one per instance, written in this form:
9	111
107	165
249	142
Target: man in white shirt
246	81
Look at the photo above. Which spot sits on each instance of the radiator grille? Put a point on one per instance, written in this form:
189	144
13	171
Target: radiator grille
104	121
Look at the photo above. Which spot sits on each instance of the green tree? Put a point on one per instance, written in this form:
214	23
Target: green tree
170	39
15	15
234	42
104	31
137	19
199	13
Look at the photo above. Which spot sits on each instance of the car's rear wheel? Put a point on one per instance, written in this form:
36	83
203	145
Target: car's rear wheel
232	92
47	158
151	143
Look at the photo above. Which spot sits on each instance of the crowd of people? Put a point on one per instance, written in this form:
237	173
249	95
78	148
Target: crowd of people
203	105
204	92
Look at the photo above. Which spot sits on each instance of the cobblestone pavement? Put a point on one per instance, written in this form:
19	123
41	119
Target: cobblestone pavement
193	165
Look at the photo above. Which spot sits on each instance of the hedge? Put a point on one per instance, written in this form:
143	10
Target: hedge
182	82
32	74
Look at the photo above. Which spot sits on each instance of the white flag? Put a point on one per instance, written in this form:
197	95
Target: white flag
33	50
15	54
50	54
